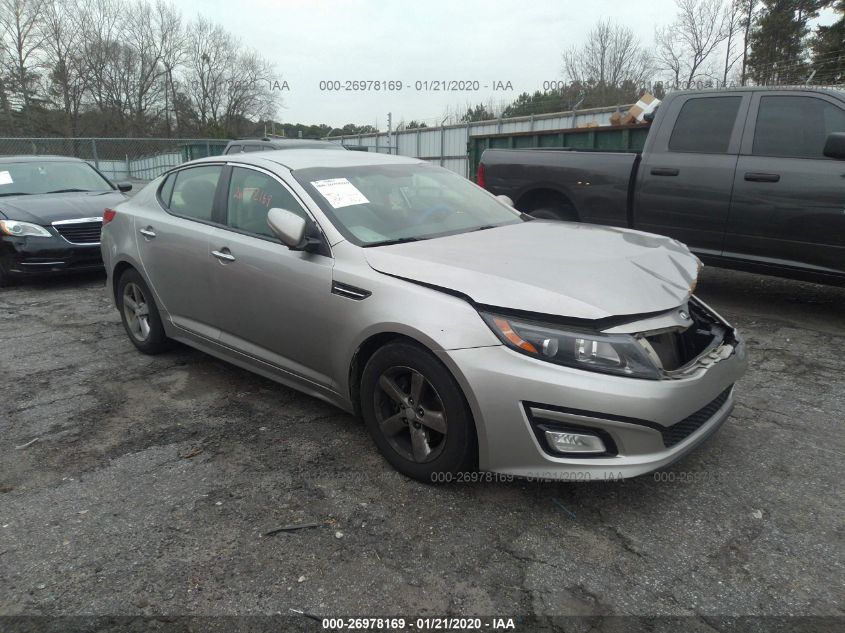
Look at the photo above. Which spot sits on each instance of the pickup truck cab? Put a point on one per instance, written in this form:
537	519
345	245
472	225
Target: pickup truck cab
749	178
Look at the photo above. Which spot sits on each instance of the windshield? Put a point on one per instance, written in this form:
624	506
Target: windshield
49	176
384	204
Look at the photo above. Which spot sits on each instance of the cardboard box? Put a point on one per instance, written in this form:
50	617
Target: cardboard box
646	105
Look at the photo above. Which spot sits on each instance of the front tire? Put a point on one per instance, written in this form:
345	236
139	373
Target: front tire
416	413
139	313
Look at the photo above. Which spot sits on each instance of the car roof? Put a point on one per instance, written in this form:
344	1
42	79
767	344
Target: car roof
285	143
38	158
295	159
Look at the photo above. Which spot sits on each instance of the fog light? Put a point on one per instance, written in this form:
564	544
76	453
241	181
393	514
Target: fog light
570	442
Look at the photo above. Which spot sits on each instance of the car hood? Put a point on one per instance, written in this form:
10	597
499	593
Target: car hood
51	207
558	268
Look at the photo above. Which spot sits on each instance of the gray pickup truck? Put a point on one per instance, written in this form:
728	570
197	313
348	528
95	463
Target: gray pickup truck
752	178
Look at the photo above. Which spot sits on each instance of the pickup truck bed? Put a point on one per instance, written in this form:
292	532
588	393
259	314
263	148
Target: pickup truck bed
598	184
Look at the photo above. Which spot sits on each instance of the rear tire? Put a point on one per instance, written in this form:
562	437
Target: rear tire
140	315
416	413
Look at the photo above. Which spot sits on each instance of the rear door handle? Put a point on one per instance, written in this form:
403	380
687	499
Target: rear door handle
147	232
664	171
753	176
224	255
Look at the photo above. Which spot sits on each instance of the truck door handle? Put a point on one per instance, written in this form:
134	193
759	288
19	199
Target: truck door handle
664	171
147	232
224	255
753	176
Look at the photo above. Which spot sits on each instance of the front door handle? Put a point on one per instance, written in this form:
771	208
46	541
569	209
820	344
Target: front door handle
224	255
753	176
664	171
147	232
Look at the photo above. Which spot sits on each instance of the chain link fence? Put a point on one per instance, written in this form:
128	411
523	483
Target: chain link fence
133	159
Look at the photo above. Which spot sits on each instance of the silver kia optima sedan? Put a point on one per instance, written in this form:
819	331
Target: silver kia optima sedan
467	335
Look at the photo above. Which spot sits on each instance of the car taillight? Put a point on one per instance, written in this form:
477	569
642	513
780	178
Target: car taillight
479	176
108	215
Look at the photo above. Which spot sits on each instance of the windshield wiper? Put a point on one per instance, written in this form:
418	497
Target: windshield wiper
400	240
15	193
71	190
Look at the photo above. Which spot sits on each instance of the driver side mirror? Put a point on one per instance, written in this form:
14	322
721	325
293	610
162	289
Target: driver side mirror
834	147
505	199
124	187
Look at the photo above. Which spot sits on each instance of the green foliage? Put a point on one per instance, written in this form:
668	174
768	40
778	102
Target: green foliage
778	41
828	48
477	113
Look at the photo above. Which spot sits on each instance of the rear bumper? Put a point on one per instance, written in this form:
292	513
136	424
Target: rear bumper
25	256
647	424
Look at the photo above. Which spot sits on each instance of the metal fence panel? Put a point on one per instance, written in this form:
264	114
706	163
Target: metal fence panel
448	145
144	159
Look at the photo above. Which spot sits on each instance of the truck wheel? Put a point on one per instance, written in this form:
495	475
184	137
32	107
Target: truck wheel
567	214
416	413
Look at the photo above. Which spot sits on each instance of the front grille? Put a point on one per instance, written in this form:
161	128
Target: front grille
679	431
80	232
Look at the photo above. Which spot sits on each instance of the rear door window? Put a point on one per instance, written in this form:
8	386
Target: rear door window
251	195
795	126
193	192
166	191
704	125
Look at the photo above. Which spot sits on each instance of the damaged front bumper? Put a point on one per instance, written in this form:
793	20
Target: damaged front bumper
521	404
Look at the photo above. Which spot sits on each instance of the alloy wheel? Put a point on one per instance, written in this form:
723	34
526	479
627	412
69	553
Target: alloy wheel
136	311
410	414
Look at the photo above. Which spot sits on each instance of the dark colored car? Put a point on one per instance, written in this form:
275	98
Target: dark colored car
270	144
748	178
51	215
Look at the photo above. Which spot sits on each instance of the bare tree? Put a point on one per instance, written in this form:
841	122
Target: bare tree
611	60
732	28
102	26
748	11
686	46
211	58
670	55
21	42
173	49
63	44
248	91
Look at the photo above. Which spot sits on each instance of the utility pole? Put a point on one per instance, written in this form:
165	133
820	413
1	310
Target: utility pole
389	132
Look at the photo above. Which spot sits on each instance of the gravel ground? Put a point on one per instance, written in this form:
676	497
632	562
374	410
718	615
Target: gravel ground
153	480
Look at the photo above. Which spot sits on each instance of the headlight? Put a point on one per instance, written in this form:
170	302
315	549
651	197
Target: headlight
608	353
22	229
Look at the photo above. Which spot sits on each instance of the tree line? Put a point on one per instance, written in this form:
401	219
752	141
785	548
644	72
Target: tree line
139	68
130	68
710	43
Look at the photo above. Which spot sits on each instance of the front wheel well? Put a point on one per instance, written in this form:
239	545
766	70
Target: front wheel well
363	354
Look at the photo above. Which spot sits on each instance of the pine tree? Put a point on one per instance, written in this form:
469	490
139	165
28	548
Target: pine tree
779	52
828	46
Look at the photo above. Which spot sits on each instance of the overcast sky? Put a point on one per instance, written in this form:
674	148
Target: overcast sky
520	41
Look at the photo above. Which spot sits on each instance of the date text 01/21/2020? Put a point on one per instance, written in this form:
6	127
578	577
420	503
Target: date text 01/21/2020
419	624
426	85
